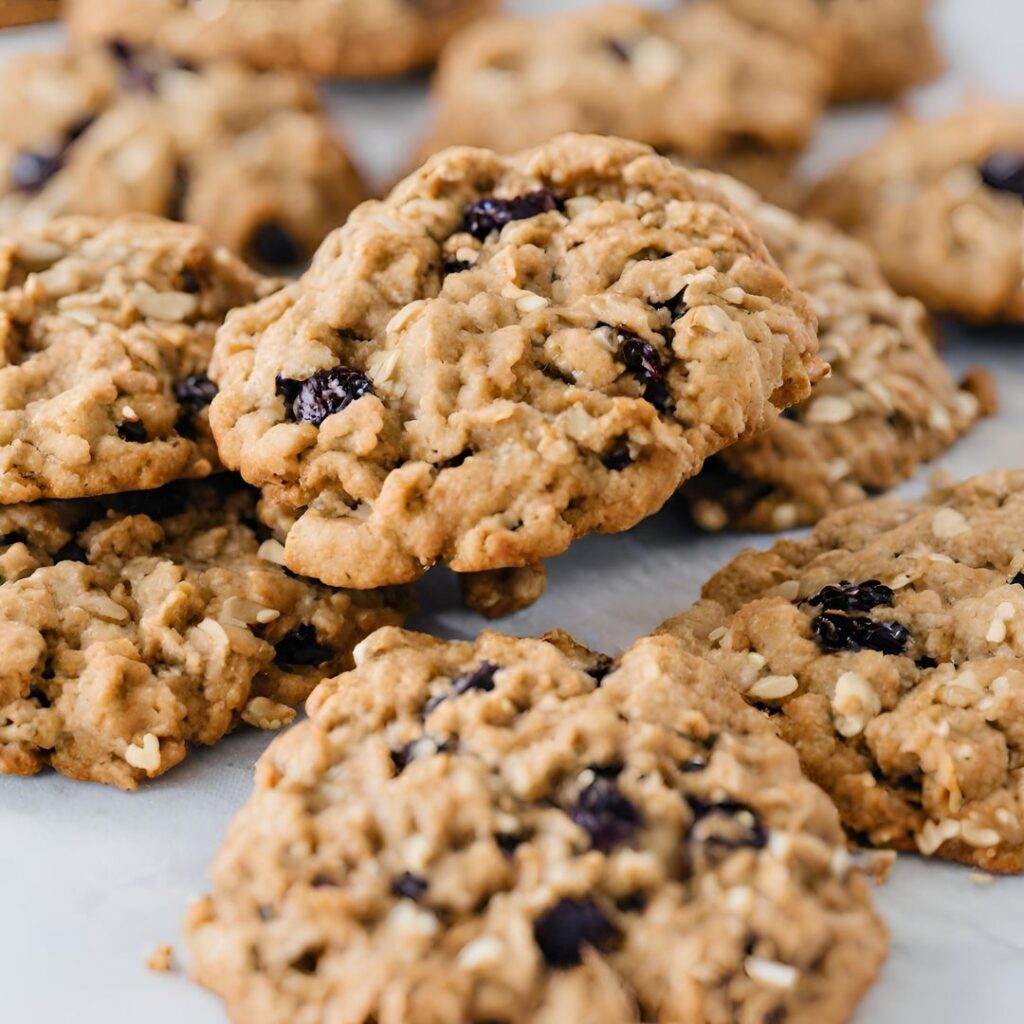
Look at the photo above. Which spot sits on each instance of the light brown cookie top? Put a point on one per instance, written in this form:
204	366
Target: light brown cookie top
940	202
889	648
160	621
107	332
504	355
489	831
696	82
335	38
872	49
888	405
250	157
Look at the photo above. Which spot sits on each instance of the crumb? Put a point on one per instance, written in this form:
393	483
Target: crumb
980	878
161	959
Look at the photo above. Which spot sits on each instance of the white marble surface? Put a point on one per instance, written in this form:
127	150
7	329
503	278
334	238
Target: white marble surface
92	879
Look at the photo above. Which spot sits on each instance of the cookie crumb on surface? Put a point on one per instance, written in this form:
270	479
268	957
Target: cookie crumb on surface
161	959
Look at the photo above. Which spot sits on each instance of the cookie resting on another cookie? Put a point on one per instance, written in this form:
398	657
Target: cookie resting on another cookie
872	49
107	328
519	831
159	621
695	83
335	38
942	205
505	354
889	648
250	157
888	405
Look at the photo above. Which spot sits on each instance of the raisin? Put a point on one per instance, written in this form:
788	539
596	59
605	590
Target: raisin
642	360
492	214
31	171
617	459
301	647
926	663
835	632
695	764
853	597
1018	579
195	391
563	930
601	667
455	266
272	245
131	430
605	814
481	678
726	825
1004	171
324	393
404	756
308	962
409	886
508	842
71	552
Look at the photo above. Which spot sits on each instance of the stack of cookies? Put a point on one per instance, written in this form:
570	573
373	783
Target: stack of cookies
217	488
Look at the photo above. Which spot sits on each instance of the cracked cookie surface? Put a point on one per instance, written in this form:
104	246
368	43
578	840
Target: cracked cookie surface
505	354
940	203
334	38
872	49
107	329
888	405
696	83
518	830
888	647
250	157
135	625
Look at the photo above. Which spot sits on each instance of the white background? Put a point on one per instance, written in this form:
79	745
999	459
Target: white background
91	879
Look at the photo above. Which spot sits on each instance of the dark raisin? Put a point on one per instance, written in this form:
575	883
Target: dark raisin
39	697
71	552
481	678
402	757
563	930
676	304
272	245
618	50
308	962
409	886
633	902
853	597
695	764
324	393
301	647
131	430
835	632
1018	579
457	460
195	391
491	214
601	667
455	266
926	663
1004	171
31	171
605	814
618	458
726	825
641	357
508	842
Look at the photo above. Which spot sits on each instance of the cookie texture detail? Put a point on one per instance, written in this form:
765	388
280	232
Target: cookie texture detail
505	354
518	830
887	648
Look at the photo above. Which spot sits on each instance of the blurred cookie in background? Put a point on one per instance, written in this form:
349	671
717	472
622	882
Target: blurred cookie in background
333	38
24	12
940	202
889	404
873	49
698	84
249	156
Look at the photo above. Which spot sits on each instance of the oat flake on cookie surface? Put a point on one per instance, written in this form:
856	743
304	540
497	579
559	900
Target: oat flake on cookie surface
134	625
888	647
505	354
106	329
888	405
522	831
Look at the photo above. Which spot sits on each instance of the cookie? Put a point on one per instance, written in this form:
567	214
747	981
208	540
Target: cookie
888	649
502	356
489	831
335	38
24	12
696	83
250	157
873	49
940	204
501	592
107	328
153	621
888	405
